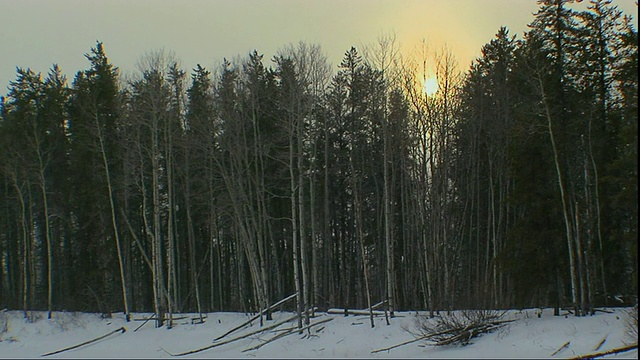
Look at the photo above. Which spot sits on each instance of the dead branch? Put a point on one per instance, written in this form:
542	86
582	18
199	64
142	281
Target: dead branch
289	331
257	316
146	321
216	344
155	318
366	312
121	330
564	346
383	302
608	352
353	312
401	344
461	327
422	337
600	343
468	331
199	320
603	310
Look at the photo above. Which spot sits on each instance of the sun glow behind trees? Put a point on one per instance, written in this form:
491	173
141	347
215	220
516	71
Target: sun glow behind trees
430	86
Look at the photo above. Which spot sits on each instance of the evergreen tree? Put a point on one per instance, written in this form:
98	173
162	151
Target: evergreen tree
94	116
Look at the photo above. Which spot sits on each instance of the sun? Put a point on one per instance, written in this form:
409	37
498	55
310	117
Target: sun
430	86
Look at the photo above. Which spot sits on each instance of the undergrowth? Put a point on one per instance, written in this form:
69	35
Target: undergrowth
457	327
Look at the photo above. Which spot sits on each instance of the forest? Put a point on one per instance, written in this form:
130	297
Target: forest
515	185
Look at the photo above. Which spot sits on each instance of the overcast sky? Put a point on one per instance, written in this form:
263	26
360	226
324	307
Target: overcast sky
38	33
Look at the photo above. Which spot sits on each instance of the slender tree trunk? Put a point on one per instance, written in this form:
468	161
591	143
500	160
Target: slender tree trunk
327	238
257	217
114	222
151	233
219	251
212	239
387	221
303	234
170	237
157	237
47	230
32	248
565	209
294	229
596	190
192	247
25	245
493	236
365	262
314	239
581	264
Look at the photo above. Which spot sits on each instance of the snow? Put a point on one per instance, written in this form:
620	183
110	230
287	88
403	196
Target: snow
529	336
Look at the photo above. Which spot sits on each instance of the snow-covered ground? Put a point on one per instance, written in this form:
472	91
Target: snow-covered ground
528	336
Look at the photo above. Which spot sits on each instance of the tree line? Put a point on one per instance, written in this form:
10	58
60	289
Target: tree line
515	185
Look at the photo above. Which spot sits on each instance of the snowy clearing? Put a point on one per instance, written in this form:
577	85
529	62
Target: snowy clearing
529	336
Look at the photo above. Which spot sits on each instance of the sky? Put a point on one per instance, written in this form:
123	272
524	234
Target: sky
38	33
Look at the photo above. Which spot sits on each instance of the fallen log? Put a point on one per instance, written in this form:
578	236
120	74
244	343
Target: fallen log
564	346
354	312
290	331
156	318
216	344
146	321
198	320
295	327
257	316
600	343
603	310
608	352
121	330
373	307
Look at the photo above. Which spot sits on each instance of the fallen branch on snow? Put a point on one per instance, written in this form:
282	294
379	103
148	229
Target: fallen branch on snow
469	332
289	331
603	310
156	318
216	344
401	344
600	343
121	330
432	335
257	316
564	346
460	327
608	352
141	325
449	331
353	312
